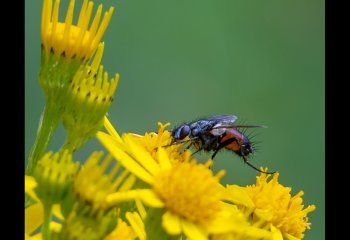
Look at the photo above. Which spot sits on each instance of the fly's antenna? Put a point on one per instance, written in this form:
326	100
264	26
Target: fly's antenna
252	166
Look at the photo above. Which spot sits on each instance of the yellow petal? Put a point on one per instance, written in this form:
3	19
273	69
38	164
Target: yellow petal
229	209
230	219
30	183
55	226
276	233
129	163
163	159
34	217
110	129
56	210
289	237
223	225
143	156
118	197
238	196
37	236
171	223
192	231
141	209
254	232
150	198
136	223
264	214
128	183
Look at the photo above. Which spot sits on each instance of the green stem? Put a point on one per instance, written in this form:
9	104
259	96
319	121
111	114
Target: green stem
46	233
47	125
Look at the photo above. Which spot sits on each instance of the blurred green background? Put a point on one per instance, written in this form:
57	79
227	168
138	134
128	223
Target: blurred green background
180	60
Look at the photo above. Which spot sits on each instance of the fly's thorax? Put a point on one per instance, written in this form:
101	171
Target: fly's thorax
200	127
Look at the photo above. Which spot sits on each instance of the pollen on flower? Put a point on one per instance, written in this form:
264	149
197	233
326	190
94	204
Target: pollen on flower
190	191
288	214
152	141
72	41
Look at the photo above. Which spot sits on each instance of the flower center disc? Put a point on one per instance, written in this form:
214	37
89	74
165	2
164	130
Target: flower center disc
190	191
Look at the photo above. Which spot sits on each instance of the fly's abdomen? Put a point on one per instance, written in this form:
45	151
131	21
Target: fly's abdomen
235	136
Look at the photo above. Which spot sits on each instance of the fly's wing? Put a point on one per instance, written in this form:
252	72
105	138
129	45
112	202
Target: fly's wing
219	129
223	119
205	125
218	126
220	120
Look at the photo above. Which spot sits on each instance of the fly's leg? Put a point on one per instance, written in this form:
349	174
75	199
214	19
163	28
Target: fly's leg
180	142
249	164
195	152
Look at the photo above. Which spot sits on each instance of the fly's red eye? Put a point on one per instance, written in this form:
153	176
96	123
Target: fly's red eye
184	131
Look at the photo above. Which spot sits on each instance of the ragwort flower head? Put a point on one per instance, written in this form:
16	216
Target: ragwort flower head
87	213
92	184
87	101
270	204
55	174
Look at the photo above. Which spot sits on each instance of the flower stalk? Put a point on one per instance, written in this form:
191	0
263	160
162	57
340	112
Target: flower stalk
47	125
47	220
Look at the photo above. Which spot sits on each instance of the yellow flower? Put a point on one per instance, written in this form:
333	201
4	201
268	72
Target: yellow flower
271	206
88	214
92	185
55	173
52	181
69	40
87	101
187	194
